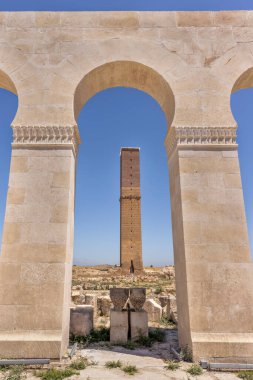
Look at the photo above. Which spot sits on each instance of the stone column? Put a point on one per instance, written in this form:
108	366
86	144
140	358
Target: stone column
214	281
37	246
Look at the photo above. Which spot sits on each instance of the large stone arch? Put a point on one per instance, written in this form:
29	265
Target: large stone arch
82	62
52	74
126	74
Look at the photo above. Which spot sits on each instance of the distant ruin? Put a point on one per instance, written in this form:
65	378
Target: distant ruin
130	211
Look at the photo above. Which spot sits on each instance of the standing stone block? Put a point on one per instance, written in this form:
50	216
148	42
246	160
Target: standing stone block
171	308
118	326
104	305
154	310
81	320
139	324
76	295
91	299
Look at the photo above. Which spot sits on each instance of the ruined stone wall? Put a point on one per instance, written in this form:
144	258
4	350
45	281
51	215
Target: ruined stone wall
130	210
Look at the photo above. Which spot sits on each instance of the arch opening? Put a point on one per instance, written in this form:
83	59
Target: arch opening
8	109
241	107
98	176
126	74
98	172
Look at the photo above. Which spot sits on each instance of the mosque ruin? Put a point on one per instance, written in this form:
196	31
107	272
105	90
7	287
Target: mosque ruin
190	62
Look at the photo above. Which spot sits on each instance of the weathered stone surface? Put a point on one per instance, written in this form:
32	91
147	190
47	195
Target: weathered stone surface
118	326
190	62
119	297
91	299
104	304
130	211
137	298
171	308
139	324
154	310
81	320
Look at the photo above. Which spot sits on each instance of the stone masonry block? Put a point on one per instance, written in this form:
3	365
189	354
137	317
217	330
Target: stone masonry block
139	324
118	326
171	307
153	309
81	320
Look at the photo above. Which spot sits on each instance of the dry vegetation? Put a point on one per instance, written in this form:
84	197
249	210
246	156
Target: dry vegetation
99	279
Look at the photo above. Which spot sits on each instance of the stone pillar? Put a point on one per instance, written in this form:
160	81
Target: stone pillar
37	246
130	211
214	281
138	324
119	326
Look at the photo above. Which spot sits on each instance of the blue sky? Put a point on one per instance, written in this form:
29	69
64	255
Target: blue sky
107	5
137	121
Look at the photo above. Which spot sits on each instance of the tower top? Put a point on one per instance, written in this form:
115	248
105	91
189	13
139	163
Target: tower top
129	149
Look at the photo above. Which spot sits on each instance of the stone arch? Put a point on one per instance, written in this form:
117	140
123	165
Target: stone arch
126	74
245	80
242	79
7	83
151	58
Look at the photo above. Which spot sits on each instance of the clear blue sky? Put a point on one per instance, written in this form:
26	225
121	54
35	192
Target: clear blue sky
138	121
107	5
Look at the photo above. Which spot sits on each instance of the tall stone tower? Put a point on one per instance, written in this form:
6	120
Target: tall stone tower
130	211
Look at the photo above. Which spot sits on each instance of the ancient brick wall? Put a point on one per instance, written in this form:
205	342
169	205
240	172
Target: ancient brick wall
130	210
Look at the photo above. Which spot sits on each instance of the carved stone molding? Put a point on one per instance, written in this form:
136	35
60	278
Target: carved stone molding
194	137
46	136
130	197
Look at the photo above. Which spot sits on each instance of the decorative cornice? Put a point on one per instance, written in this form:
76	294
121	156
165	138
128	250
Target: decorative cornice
46	137
131	197
188	137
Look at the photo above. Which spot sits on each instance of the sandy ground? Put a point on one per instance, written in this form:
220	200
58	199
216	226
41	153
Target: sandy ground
149	368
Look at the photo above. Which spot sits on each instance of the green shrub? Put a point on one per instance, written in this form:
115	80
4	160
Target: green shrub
129	345
79	364
113	364
144	341
166	321
100	335
158	289
186	354
157	335
4	368
14	372
130	369
195	370
56	374
247	375
172	365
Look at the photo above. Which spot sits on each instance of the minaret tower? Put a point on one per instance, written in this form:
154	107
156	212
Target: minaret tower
130	211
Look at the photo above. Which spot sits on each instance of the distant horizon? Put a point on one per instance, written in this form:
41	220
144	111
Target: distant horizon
118	266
